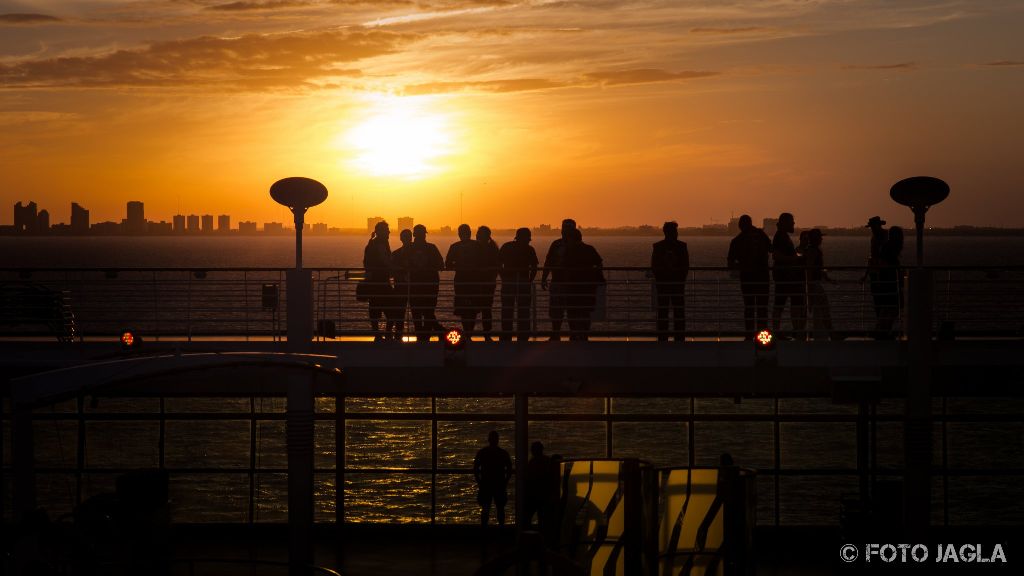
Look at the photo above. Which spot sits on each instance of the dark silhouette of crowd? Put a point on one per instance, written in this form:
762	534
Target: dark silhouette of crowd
406	282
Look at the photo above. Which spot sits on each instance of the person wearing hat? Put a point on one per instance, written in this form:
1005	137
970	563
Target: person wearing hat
879	235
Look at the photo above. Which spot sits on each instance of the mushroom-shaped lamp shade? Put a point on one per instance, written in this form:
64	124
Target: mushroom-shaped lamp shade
298	192
919	191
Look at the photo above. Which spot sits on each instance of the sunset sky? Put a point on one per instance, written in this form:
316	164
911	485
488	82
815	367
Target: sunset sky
614	112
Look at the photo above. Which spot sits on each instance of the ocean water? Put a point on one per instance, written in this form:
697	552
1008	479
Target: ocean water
386	459
347	251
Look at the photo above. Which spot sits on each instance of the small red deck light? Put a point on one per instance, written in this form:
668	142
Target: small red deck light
454	339
130	340
765	339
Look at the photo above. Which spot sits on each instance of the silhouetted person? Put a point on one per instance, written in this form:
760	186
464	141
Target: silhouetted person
518	262
541	487
879	235
462	257
400	266
424	264
817	299
584	267
486	273
748	255
492	469
889	276
670	263
377	262
789	278
554	265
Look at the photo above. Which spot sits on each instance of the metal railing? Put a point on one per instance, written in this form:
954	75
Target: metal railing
409	460
249	303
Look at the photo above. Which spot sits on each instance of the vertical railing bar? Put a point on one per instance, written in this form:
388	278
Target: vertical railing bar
252	459
433	460
608	426
777	462
188	313
245	301
691	440
156	308
80	456
945	462
163	433
339	459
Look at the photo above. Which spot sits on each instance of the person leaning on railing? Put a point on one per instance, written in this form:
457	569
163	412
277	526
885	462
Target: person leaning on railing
425	263
377	262
518	266
670	264
748	257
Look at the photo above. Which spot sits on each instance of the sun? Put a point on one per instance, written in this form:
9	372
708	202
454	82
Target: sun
400	137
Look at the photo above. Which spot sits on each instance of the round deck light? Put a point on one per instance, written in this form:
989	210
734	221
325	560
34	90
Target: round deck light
765	338
454	339
130	340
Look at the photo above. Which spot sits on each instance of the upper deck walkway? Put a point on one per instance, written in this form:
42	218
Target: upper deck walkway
56	318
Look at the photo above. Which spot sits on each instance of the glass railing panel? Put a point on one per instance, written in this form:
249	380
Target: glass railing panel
400	498
751	444
818	444
387	444
571	439
660	443
458	442
219	497
122	444
207	444
650	405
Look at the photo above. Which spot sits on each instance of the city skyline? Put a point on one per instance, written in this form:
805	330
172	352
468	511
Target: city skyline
30	219
517	111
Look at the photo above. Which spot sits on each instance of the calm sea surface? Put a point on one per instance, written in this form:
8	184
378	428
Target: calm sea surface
397	496
347	251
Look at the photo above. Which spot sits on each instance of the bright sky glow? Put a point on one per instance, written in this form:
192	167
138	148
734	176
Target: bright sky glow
401	137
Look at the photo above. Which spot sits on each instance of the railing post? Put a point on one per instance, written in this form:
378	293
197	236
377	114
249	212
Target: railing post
300	431
300	309
522	406
917	429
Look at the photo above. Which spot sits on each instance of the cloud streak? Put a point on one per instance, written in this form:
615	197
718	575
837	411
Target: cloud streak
249	62
24	18
897	66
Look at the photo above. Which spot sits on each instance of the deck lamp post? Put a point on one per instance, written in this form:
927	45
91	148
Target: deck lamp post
919	193
299	194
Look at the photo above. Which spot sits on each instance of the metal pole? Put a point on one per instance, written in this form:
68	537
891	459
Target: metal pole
300	431
522	403
917	442
919	212
299	223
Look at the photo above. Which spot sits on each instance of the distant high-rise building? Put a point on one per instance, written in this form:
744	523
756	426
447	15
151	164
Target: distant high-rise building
273	228
371	223
25	217
207	222
79	219
43	222
135	223
319	228
223	223
179	223
193	224
245	227
544	228
405	223
768	225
